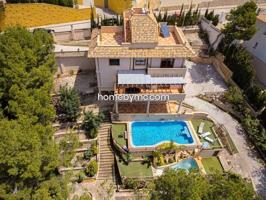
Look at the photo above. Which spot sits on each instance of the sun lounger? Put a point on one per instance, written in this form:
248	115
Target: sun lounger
209	139
201	126
203	135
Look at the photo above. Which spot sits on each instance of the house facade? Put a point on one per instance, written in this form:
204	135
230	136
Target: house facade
257	47
140	58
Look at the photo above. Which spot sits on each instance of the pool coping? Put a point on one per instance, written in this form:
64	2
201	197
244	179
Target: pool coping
196	142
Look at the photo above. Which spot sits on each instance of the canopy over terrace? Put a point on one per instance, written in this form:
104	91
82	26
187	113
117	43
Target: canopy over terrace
134	82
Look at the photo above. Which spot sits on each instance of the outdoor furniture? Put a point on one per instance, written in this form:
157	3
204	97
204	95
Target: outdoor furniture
209	139
201	126
203	135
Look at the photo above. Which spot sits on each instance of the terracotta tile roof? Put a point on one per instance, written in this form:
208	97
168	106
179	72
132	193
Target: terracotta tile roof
262	17
127	52
114	42
143	29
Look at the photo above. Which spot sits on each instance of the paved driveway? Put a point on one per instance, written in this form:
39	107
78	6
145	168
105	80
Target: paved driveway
246	162
202	78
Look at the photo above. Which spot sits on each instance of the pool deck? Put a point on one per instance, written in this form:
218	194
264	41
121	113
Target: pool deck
137	149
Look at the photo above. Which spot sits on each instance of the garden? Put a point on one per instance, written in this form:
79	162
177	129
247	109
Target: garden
78	143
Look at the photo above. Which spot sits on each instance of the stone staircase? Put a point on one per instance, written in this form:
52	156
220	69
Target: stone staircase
106	155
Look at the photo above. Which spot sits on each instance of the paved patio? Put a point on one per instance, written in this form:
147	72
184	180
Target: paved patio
202	78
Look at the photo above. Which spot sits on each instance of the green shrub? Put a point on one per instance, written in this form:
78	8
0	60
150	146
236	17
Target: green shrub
256	96
87	154
81	176
69	104
85	197
234	95
130	183
94	149
91	123
91	168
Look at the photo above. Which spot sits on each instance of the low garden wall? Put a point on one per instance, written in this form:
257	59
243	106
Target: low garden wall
158	116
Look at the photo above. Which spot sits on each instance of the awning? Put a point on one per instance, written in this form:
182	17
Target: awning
138	77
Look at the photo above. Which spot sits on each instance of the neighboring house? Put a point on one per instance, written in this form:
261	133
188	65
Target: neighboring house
141	57
257	47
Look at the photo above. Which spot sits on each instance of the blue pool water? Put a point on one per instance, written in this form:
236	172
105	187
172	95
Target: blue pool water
152	133
188	164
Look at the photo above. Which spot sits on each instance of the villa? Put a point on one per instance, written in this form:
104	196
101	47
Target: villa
141	58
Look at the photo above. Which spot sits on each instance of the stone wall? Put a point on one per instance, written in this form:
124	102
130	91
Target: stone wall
217	62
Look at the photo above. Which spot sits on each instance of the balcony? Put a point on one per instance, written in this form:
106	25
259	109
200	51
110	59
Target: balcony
149	89
167	72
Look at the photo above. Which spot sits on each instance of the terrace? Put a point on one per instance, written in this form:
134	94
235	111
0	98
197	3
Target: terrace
114	36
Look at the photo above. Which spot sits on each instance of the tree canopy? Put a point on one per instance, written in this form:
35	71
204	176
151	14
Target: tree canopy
241	23
178	185
28	154
69	104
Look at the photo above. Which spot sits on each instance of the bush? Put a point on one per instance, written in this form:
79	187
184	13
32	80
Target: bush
69	104
85	197
94	149
91	123
211	17
234	95
80	177
91	168
256	96
130	183
88	154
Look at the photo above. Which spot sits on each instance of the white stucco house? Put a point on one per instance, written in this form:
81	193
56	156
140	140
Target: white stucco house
140	57
257	47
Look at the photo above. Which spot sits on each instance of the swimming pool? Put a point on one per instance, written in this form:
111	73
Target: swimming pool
188	164
146	133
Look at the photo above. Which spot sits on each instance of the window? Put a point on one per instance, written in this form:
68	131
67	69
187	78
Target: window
114	62
140	61
167	63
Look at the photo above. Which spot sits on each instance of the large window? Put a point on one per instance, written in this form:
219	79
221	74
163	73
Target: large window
114	62
167	63
140	61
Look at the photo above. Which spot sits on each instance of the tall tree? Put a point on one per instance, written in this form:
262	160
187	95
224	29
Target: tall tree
241	23
179	185
69	104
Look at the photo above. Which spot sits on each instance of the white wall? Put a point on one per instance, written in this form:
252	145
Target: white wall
212	31
107	74
67	64
260	38
64	27
258	52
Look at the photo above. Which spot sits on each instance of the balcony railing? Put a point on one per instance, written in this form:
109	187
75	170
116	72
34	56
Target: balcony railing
149	90
166	72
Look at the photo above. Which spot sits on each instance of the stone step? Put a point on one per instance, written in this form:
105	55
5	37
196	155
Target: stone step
106	148
106	168
106	153
106	162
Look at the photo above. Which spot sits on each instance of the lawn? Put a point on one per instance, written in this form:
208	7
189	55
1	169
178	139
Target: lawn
212	164
40	14
134	169
118	134
207	128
